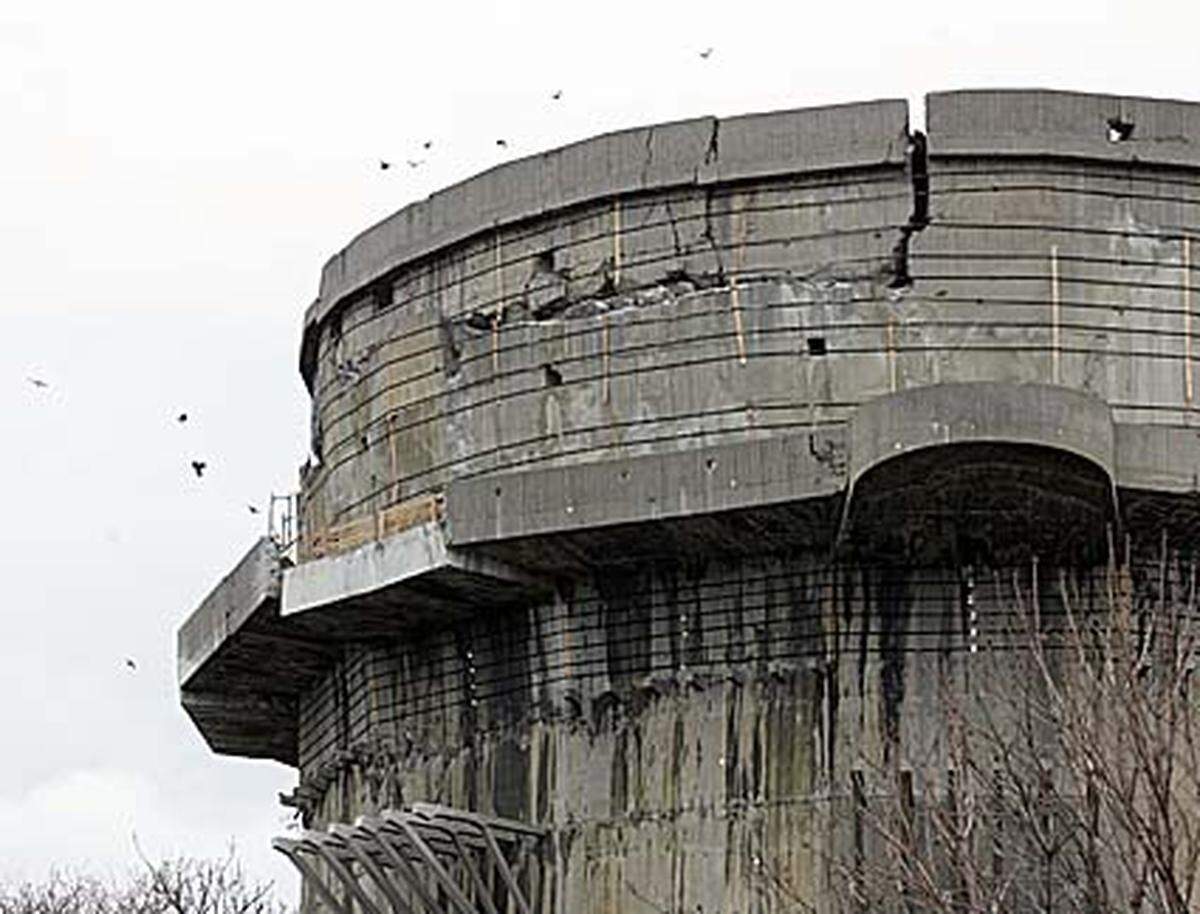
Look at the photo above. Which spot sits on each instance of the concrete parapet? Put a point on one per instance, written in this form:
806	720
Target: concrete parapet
1040	122
695	152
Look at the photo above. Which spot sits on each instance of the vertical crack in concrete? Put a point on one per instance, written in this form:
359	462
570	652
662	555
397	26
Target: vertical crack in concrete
714	147
674	228
918	219
649	156
711	237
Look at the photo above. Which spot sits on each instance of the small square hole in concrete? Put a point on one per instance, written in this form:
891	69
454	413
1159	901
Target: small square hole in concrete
816	345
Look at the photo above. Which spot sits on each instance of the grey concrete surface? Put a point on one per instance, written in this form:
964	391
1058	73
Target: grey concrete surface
696	152
945	414
996	122
254	582
679	314
399	582
1162	459
668	486
736	449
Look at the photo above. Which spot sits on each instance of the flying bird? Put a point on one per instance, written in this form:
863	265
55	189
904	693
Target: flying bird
384	166
253	509
182	417
130	663
557	94
415	163
38	382
428	144
503	144
706	53
198	466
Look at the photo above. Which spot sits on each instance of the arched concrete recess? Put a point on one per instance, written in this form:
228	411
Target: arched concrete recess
986	472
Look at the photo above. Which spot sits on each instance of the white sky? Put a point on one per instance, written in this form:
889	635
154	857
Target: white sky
172	177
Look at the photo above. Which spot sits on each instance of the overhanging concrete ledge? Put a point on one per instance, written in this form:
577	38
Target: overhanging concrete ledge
407	579
253	583
774	492
972	413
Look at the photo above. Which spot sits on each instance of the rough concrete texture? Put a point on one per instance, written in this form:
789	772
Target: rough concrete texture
732	422
669	318
688	732
697	152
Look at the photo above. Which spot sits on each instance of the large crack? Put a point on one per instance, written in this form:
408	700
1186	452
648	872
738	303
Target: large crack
918	219
709	235
714	147
649	157
679	252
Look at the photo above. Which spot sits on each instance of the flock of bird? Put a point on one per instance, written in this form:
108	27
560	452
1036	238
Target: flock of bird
199	466
385	164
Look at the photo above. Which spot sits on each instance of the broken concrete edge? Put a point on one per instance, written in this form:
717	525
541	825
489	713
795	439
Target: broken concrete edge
254	581
707	150
403	557
697	152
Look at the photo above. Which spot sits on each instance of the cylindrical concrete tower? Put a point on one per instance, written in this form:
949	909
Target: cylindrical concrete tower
660	481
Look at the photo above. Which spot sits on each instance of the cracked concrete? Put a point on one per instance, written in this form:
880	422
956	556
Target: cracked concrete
756	472
918	169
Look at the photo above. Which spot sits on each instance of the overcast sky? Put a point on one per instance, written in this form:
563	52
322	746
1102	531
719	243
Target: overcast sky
172	177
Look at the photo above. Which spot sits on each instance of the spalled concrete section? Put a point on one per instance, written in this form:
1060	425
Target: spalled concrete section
697	152
1039	122
785	406
403	581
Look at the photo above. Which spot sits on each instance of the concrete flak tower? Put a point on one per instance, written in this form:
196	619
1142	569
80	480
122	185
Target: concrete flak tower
660	483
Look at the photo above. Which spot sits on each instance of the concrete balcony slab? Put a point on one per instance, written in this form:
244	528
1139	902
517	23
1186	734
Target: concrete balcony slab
410	579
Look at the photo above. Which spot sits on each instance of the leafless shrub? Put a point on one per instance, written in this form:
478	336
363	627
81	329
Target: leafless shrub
177	885
1068	776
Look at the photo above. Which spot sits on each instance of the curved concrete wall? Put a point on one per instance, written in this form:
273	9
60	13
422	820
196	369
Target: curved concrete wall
673	286
1020	301
687	732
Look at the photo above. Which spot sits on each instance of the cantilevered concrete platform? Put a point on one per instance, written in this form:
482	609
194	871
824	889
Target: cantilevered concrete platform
1002	453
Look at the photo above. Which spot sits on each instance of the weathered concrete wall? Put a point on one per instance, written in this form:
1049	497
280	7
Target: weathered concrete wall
689	732
965	356
408	398
676	308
